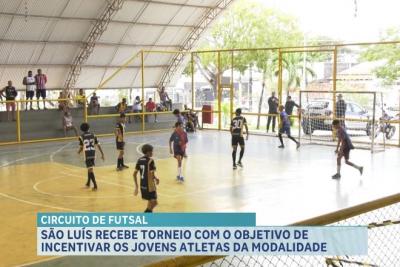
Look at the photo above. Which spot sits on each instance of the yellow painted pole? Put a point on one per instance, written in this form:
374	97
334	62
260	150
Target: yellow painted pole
18	123
231	91
280	77
219	88
85	111
193	87
142	62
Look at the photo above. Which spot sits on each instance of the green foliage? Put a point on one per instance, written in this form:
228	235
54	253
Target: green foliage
390	70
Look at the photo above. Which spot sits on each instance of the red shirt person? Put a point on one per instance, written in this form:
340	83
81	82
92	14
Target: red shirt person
41	80
151	107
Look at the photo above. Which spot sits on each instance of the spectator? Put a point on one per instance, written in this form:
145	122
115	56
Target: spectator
67	123
94	105
62	102
289	105
30	83
179	117
273	103
151	107
341	108
136	108
10	94
81	98
122	106
164	98
41	80
192	119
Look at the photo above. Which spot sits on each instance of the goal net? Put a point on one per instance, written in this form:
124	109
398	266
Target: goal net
360	113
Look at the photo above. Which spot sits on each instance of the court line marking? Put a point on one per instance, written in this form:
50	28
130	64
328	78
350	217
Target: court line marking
58	150
35	187
22	159
36	204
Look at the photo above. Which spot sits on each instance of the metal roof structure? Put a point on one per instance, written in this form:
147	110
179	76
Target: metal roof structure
79	43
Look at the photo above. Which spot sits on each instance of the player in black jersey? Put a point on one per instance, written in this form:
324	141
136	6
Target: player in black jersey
237	124
120	141
88	143
146	167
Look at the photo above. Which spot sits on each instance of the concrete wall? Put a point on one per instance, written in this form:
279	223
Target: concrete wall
41	124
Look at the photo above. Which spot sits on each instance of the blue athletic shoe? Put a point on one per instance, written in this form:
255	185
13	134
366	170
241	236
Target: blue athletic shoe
181	178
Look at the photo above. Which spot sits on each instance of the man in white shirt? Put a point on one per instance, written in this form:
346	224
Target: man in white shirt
30	83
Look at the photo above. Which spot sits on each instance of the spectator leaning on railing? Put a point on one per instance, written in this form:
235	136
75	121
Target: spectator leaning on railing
10	93
122	107
94	105
41	80
164	98
30	83
80	98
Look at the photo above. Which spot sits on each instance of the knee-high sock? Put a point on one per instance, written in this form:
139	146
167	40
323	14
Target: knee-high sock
280	138
93	178
352	164
241	154
119	162
291	138
234	156
122	161
88	179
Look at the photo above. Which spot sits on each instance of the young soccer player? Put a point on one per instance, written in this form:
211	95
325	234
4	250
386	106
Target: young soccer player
148	181
179	140
343	148
88	143
284	127
237	124
119	140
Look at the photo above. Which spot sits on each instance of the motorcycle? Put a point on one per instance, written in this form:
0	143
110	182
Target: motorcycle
385	127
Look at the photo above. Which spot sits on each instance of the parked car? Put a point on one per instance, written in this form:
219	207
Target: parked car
318	115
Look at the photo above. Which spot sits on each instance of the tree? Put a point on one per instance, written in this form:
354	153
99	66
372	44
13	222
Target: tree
389	72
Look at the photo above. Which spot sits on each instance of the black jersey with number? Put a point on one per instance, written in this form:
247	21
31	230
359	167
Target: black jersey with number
237	125
121	128
146	167
88	141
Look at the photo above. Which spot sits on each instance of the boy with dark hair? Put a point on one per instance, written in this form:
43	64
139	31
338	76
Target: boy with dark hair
236	130
88	143
148	181
120	142
179	140
343	148
284	127
68	123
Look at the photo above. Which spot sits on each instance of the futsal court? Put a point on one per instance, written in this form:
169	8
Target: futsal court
281	185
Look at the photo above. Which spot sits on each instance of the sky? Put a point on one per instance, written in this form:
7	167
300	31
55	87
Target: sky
336	18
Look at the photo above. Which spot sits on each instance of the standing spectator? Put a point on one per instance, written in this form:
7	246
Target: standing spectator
122	106
341	108
10	94
151	107
94	105
289	105
81	98
273	103
67	123
164	98
136	108
30	83
41	80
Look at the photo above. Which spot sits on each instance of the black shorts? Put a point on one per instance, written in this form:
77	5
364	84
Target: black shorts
41	93
30	94
285	129
237	140
90	163
345	152
148	195
120	145
179	152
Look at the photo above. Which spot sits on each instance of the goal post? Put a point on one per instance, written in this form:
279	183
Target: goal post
358	111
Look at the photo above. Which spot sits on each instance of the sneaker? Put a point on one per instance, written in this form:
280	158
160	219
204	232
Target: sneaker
178	178
298	146
336	176
94	189
281	146
119	169
125	166
182	179
240	164
234	167
361	169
